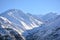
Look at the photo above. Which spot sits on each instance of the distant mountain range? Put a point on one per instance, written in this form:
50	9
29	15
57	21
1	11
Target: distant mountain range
50	30
32	27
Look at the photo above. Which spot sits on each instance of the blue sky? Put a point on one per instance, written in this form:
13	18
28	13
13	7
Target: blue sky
31	6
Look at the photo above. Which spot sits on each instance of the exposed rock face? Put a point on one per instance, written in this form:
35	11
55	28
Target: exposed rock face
9	34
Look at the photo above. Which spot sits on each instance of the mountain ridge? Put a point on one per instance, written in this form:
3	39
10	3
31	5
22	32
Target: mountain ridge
21	20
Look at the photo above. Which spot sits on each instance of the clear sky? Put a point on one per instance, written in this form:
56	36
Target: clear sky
31	6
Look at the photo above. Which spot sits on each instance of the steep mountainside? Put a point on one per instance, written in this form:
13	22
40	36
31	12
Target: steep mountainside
9	31
21	20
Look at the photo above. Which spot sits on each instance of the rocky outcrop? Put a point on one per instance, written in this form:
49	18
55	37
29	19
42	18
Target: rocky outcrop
9	34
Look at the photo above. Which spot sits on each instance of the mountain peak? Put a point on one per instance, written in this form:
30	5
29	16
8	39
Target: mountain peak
14	10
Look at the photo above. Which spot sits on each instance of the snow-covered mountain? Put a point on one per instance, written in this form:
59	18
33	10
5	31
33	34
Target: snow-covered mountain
18	20
33	27
47	32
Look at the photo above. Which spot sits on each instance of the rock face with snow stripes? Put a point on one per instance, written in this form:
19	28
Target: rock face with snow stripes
7	31
21	20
